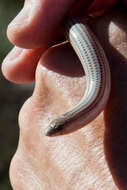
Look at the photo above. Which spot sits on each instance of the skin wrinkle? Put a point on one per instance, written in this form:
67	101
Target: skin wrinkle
95	146
64	90
17	35
26	176
36	20
68	91
29	168
39	22
58	94
37	119
31	158
55	107
90	178
64	166
60	179
57	142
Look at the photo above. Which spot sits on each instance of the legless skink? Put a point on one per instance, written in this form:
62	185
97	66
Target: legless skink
97	72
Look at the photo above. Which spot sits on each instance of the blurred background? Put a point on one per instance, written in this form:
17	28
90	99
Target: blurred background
12	97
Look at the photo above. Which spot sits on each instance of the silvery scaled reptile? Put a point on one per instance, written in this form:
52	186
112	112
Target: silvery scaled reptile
96	67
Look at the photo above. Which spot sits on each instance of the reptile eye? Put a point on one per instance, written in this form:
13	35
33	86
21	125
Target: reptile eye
96	68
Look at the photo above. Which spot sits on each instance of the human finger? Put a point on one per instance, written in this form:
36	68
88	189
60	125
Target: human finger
20	64
40	22
77	160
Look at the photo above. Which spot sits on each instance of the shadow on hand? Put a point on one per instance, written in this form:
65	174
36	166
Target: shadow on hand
71	67
115	139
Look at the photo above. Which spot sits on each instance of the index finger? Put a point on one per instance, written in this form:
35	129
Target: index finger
39	22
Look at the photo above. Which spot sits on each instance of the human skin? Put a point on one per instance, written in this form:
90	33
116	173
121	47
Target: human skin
93	157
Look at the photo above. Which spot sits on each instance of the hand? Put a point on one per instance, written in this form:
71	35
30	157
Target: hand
91	158
38	25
